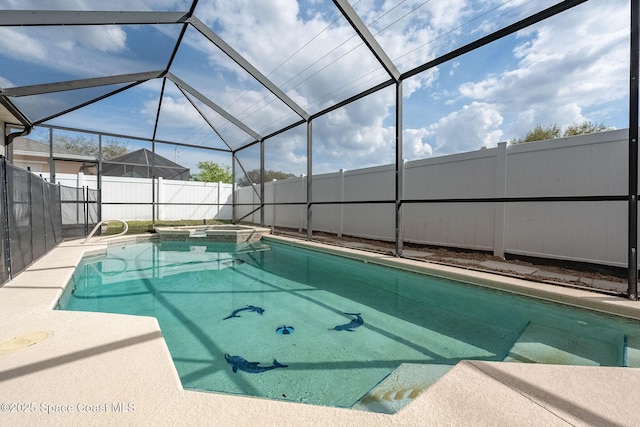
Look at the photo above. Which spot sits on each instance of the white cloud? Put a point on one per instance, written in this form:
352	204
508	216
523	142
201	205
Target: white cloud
474	126
81	51
575	61
178	112
561	68
409	31
415	146
5	83
104	39
312	58
422	80
17	45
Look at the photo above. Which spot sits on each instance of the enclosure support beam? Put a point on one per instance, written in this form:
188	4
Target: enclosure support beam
27	18
244	171
153	185
247	66
233	188
209	103
490	38
84	104
79	84
52	163
204	117
632	264
399	169
99	184
309	179
262	183
368	38
154	206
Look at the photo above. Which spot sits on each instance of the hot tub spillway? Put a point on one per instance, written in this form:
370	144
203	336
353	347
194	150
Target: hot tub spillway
213	233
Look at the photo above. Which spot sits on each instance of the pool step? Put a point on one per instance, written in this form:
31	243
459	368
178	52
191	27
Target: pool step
400	387
244	248
545	344
632	351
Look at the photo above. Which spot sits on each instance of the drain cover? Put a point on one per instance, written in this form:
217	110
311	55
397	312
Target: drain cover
24	341
284	330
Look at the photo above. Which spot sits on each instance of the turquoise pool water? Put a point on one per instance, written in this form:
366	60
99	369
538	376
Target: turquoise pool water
276	321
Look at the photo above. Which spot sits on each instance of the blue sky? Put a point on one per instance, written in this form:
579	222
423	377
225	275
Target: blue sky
568	69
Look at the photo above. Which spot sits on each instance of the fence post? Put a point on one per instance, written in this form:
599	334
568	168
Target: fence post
59	189
80	188
273	211
303	210
85	195
341	225
44	213
500	208
159	197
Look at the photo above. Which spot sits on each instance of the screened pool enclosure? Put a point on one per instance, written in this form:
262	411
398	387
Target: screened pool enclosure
398	121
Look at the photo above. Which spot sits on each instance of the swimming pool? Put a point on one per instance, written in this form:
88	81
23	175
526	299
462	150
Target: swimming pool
224	310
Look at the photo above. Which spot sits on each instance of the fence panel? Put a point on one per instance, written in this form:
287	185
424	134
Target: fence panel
327	188
19	218
130	199
292	190
590	165
53	221
371	221
191	200
38	223
29	219
587	165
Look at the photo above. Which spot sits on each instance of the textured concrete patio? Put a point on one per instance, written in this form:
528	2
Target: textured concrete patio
76	368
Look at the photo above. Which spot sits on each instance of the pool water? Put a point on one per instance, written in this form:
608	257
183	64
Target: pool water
280	322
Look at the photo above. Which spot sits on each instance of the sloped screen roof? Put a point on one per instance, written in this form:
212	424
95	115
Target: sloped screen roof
140	163
224	75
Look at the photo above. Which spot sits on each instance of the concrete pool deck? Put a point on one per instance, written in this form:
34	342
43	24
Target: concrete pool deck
76	368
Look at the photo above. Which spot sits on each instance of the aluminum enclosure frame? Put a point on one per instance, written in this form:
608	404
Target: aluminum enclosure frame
51	18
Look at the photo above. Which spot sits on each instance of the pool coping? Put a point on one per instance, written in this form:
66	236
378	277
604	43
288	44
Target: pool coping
100	368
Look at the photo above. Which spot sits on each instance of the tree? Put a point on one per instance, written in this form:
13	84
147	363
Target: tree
111	149
541	132
82	145
269	175
213	172
584	128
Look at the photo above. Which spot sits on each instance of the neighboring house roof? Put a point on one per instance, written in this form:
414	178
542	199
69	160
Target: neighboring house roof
140	163
28	147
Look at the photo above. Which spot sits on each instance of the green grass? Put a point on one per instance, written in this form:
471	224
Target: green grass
141	227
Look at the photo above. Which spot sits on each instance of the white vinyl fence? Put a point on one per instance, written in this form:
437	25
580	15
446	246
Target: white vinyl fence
590	231
131	199
589	165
